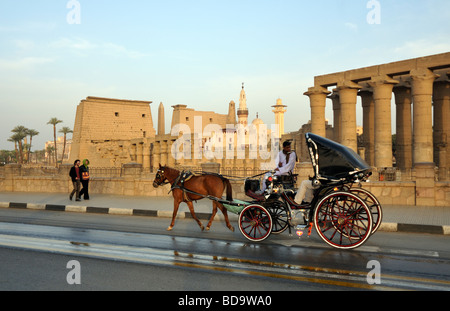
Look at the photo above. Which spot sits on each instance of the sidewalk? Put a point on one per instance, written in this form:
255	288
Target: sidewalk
435	220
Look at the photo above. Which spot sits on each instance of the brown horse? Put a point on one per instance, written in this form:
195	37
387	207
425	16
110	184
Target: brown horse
203	185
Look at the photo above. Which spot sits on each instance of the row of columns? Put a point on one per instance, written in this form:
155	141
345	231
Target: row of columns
161	153
140	153
414	127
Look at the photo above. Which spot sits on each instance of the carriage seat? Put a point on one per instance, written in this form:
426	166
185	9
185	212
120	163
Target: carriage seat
290	195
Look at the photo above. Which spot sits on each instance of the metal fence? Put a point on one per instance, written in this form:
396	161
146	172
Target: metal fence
385	174
105	172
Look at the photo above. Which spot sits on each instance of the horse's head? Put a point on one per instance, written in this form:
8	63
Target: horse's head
160	178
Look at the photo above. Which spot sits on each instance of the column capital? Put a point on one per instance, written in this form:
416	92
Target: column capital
382	80
343	85
402	85
382	86
317	98
423	74
317	90
366	95
365	91
334	94
402	95
444	77
422	80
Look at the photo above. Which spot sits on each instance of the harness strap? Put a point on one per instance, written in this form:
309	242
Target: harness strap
182	178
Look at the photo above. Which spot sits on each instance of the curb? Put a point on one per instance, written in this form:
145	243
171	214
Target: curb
107	210
385	227
414	228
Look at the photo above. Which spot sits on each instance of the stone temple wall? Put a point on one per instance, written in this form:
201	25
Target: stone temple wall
133	180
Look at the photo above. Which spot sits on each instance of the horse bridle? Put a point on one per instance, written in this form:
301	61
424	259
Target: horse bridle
159	176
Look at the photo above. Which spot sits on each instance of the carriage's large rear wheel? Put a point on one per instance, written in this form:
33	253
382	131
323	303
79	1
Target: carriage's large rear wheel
343	220
373	204
255	223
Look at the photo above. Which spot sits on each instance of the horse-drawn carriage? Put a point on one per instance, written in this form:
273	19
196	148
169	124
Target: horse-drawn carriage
344	215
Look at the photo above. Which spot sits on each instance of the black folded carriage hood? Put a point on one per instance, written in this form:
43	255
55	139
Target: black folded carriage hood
333	160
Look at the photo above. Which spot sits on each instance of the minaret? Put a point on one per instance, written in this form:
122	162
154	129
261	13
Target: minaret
279	116
231	118
161	120
243	111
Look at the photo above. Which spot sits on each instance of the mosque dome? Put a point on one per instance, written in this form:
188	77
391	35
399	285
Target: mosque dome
257	122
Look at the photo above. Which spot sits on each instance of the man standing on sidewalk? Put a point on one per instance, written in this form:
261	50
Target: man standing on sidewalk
76	180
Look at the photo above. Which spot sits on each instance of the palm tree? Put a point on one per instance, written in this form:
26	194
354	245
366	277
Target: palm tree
54	121
39	155
65	130
50	149
20	132
6	156
31	133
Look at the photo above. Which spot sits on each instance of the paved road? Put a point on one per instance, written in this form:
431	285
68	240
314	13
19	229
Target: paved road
187	259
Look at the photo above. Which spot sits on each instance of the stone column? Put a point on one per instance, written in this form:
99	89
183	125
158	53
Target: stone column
139	153
382	95
317	96
164	152
368	136
403	103
156	154
336	115
170	157
348	92
146	156
441	134
422	90
133	152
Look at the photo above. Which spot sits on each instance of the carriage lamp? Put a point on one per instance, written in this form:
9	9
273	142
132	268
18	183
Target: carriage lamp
299	233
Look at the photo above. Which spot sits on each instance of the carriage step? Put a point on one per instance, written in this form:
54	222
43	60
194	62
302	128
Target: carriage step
301	227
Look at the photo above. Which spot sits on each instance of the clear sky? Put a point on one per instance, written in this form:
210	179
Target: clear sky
196	53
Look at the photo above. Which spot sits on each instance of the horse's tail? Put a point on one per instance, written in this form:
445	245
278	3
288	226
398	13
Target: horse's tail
229	190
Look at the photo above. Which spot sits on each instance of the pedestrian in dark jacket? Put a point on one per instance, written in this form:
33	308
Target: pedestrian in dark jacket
85	179
75	174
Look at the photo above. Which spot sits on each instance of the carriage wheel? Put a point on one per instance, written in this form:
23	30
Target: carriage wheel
255	223
373	204
279	214
343	220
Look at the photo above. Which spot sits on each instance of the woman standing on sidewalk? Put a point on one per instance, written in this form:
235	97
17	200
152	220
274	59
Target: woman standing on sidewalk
75	174
84	169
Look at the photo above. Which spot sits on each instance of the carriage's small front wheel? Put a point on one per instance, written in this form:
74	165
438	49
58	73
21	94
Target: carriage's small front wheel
255	223
343	220
279	214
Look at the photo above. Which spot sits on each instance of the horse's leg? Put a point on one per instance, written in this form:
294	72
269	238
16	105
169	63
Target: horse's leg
214	212
176	205
191	209
225	214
